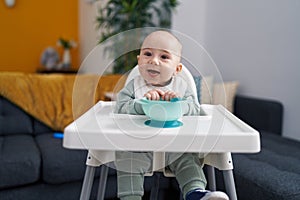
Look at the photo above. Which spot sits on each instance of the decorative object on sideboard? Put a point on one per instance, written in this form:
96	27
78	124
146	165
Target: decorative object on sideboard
50	58
10	3
67	45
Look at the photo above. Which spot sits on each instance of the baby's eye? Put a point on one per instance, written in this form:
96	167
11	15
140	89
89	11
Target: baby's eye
147	53
165	57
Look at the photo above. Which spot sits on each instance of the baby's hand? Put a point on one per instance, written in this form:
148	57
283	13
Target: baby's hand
157	94
169	95
154	94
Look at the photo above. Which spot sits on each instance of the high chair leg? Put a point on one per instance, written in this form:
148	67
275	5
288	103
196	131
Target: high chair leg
102	182
229	184
211	178
181	196
87	183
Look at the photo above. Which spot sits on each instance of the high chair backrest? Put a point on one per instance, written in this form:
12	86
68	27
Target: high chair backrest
185	74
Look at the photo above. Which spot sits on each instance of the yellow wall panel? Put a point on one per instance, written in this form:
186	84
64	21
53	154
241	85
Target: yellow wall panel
31	26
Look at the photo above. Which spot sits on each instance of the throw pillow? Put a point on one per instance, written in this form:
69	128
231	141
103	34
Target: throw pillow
206	89
227	99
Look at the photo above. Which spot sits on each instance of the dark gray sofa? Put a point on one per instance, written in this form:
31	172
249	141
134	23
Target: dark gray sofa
35	166
274	173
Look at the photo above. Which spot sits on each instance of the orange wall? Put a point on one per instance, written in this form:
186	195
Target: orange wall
31	26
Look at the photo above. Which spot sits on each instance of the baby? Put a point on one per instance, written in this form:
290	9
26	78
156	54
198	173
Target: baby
159	63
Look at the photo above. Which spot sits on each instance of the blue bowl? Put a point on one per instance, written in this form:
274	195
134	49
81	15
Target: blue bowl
162	113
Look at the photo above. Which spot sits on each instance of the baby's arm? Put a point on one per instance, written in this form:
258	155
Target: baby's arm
125	101
193	107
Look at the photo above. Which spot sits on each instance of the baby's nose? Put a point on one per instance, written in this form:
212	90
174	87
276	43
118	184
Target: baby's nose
154	60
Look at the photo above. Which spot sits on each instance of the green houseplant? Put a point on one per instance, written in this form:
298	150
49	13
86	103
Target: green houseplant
117	16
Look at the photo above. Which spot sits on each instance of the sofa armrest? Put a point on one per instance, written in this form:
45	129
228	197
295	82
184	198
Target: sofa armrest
261	114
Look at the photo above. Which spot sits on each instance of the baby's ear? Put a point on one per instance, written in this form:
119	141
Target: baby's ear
179	68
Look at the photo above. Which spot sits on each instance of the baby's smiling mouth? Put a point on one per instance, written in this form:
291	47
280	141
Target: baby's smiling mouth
154	72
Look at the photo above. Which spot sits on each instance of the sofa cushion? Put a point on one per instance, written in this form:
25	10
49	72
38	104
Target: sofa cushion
10	118
261	114
274	173
60	165
67	191
279	145
40	128
20	160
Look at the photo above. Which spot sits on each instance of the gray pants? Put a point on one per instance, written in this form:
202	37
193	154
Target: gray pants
131	167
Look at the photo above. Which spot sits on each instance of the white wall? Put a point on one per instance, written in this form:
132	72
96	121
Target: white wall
88	35
254	41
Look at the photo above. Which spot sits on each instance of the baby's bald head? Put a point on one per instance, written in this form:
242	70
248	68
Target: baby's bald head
163	40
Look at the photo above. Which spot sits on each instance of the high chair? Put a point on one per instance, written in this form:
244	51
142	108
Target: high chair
219	157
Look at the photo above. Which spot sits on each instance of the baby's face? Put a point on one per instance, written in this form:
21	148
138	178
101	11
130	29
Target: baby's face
159	58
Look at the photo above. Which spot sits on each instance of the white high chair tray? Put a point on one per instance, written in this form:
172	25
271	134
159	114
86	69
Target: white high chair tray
217	131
